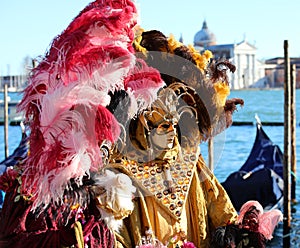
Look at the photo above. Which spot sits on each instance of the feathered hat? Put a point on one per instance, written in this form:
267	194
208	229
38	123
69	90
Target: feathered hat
89	69
207	77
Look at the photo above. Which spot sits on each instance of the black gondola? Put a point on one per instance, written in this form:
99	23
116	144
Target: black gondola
261	177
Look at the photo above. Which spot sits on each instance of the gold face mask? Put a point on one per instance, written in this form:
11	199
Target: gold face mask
161	125
169	123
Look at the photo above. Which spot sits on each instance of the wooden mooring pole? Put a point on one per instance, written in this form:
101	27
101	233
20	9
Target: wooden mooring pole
211	154
293	134
5	120
287	150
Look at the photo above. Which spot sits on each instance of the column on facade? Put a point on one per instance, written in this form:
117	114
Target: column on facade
253	68
248	70
239	72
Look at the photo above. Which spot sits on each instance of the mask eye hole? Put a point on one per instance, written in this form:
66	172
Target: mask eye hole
164	126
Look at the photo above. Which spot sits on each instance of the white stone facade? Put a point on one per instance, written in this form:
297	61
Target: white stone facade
250	72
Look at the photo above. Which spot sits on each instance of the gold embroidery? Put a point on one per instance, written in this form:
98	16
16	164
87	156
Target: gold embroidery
169	183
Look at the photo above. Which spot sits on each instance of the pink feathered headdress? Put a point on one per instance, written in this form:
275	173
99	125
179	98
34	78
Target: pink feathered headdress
267	221
68	94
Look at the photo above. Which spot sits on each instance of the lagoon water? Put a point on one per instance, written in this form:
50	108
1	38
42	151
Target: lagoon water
233	146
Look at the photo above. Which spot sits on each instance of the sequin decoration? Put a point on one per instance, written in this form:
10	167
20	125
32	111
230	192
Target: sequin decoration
151	178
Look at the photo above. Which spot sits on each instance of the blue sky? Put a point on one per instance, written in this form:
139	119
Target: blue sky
28	26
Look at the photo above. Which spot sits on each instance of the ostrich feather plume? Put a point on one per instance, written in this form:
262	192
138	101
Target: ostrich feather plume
66	100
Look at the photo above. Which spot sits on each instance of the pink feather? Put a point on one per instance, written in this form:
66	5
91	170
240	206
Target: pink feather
268	221
65	102
106	126
144	82
246	207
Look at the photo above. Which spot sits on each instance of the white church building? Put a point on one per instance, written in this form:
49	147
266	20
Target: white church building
250	71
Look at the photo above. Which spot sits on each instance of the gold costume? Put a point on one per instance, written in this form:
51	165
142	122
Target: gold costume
177	199
206	206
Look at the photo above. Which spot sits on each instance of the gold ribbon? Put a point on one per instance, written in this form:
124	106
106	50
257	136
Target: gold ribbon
79	234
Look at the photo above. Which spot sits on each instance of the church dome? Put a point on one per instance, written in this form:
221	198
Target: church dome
204	37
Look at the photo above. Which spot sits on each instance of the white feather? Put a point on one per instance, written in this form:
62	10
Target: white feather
119	191
110	76
75	142
144	98
57	118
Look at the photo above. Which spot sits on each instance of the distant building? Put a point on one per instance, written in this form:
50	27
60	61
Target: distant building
14	83
249	70
243	55
204	37
274	70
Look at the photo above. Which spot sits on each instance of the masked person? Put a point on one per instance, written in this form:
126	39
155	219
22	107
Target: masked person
178	200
